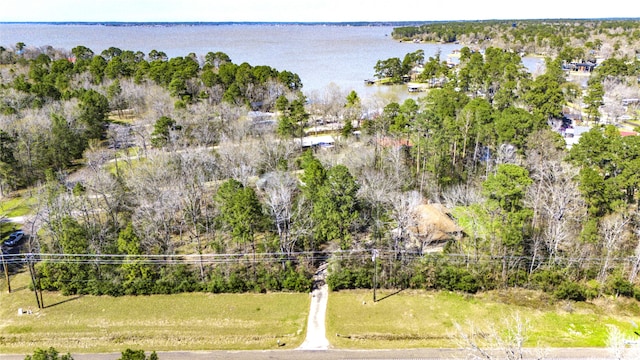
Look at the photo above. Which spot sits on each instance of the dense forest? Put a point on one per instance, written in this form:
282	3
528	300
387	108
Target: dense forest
157	175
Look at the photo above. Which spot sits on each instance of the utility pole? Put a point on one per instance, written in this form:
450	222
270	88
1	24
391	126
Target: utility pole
374	257
33	278
6	271
35	273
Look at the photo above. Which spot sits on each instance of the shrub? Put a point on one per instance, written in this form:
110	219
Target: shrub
258	278
139	286
176	279
456	279
238	283
491	276
620	286
418	281
346	278
362	278
133	355
137	355
517	278
547	280
349	274
570	290
398	276
267	280
296	279
217	283
104	287
48	354
592	289
340	280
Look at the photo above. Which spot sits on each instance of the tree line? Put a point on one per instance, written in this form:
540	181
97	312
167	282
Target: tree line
547	37
177	172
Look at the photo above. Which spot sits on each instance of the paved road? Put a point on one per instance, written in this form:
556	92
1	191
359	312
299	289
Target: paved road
559	354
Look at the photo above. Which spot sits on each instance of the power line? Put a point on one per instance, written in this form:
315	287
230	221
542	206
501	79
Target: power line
270	257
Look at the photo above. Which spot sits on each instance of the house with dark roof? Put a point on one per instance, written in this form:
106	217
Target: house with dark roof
586	66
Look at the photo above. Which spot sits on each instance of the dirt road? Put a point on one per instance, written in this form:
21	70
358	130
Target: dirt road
316	332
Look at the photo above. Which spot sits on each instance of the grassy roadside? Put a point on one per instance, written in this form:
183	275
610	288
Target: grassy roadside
177	322
416	319
18	204
407	319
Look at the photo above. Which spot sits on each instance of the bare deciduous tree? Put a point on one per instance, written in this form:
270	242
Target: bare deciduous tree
557	203
506	154
328	104
612	232
560	206
403	206
280	189
506	341
461	194
135	95
635	258
157	202
275	155
618	345
196	170
238	160
203	125
377	189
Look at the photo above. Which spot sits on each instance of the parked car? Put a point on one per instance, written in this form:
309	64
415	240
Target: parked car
14	238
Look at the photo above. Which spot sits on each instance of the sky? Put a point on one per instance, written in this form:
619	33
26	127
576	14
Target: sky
305	10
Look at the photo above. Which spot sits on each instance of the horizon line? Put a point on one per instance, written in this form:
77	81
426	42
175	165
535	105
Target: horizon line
355	22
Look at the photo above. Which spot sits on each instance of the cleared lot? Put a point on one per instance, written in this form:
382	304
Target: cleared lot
404	320
165	322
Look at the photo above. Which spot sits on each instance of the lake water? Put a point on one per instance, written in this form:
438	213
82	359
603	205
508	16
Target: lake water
319	54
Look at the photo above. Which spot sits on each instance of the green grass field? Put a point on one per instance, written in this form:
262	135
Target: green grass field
407	319
17	205
186	321
416	319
